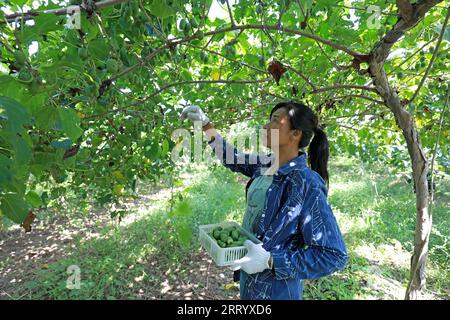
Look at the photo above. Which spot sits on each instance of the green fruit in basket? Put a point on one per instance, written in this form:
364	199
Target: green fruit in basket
235	234
216	234
230	240
221	244
223	236
238	243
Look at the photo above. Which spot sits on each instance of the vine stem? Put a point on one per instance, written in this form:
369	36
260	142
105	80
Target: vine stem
441	36
436	147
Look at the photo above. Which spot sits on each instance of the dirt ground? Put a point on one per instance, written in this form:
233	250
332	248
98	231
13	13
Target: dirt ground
22	255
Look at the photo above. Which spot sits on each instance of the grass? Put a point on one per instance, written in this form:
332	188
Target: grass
376	212
132	260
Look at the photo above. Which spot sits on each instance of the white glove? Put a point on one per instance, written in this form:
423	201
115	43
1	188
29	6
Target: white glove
256	260
194	113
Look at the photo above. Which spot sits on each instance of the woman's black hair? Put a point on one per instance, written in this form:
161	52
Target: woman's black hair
303	118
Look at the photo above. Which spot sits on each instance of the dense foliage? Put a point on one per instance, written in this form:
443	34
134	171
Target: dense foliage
93	109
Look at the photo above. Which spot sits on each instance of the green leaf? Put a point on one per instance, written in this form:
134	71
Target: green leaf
251	59
44	158
151	150
22	150
46	117
324	4
392	19
60	67
124	140
99	49
237	88
90	28
6	175
11	87
20	3
161	9
70	123
165	147
15	113
14	207
44	23
33	199
185	75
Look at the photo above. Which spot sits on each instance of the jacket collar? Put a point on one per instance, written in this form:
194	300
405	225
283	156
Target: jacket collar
295	163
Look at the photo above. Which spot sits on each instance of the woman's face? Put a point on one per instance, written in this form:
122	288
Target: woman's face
286	137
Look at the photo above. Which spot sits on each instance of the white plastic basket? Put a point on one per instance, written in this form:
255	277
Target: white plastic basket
223	256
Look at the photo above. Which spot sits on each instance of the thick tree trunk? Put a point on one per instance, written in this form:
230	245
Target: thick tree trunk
410	16
419	168
423	218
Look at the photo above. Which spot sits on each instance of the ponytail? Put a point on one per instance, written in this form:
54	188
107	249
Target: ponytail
318	154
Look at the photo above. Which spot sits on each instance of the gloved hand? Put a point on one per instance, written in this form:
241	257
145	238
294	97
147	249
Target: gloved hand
256	260
194	113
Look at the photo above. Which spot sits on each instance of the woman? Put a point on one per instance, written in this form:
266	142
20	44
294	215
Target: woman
287	210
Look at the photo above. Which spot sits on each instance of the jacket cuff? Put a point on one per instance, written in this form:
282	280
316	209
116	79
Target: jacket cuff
215	140
210	142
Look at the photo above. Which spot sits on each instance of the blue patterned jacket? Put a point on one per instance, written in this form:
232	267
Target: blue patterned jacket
297	225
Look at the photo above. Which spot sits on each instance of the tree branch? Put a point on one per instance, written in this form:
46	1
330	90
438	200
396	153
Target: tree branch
228	58
273	94
362	97
231	15
174	43
355	128
405	9
360	56
361	9
382	49
301	75
142	100
336	46
170	85
60	11
358	115
343	86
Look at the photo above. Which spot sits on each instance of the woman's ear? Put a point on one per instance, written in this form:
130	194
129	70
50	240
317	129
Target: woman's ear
298	133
